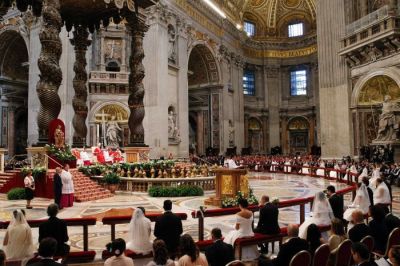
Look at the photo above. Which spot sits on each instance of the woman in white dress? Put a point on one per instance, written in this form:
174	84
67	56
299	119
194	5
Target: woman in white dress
305	170
18	243
334	174
381	193
361	202
376	173
139	233
288	168
321	214
243	228
321	169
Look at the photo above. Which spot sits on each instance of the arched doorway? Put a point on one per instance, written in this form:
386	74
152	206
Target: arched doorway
104	116
367	104
14	76
204	101
255	135
298	135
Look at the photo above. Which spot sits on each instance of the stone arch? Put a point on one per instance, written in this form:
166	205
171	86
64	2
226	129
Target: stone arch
14	72
361	84
203	66
100	105
299	134
255	134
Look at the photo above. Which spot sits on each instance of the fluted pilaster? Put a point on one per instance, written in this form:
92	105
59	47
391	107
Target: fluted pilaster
80	42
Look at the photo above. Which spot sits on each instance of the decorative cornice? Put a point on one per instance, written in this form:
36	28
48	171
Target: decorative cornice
280	53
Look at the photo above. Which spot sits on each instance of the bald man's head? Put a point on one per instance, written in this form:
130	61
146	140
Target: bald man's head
357	216
293	230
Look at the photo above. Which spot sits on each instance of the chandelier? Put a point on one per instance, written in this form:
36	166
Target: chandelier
120	3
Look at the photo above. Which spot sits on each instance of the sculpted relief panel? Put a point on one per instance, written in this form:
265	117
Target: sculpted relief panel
375	89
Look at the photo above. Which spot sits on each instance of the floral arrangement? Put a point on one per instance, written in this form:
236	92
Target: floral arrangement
228	202
111	178
36	171
62	155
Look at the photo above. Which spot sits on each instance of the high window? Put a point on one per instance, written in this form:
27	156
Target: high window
298	82
249	28
295	30
249	83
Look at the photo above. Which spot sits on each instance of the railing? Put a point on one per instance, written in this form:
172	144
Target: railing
367	20
113	221
84	222
108	77
201	214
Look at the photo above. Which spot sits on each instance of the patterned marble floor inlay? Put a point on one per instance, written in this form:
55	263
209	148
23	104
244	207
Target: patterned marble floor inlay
275	185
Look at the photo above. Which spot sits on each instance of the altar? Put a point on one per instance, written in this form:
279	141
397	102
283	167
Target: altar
227	183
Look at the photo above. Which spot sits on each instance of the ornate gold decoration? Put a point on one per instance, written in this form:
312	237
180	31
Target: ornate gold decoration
111	110
50	71
254	124
291	3
298	123
120	3
280	53
376	88
257	3
226	185
80	42
244	184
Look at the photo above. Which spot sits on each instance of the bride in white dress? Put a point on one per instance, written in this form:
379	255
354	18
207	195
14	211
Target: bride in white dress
361	202
243	228
321	214
139	233
18	241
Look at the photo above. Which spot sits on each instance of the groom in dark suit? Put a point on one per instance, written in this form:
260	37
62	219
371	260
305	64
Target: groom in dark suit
336	202
169	228
268	220
57	184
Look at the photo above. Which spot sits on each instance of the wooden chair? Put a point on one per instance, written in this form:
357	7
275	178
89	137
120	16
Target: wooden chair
321	255
394	239
369	242
235	263
343	254
302	258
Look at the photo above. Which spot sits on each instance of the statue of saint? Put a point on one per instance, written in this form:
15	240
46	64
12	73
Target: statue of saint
171	125
59	137
388	122
113	133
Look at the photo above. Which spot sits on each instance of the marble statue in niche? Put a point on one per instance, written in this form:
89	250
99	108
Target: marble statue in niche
173	130
389	120
172	44
113	133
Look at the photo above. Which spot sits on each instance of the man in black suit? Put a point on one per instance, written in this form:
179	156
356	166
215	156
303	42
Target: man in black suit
57	185
56	229
360	229
268	220
336	202
219	253
293	245
361	255
370	192
47	249
169	228
391	220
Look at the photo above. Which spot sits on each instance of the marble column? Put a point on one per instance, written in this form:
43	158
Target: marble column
246	131
363	7
334	86
50	71
137	29
80	42
200	133
311	119
274	98
11	131
285	135
264	120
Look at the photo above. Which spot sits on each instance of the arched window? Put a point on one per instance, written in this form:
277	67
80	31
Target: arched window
113	66
296	29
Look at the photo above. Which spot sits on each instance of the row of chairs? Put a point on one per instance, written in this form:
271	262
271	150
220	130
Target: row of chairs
343	254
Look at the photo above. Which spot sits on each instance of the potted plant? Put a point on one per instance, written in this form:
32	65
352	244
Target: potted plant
112	180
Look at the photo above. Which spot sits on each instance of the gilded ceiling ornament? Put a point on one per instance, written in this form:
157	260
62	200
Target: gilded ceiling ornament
291	3
257	3
120	3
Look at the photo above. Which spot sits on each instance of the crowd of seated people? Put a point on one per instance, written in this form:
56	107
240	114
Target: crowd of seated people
97	155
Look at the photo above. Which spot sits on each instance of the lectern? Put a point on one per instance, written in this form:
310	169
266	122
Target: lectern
227	183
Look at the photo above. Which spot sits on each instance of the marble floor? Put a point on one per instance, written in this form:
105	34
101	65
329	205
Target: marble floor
275	185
